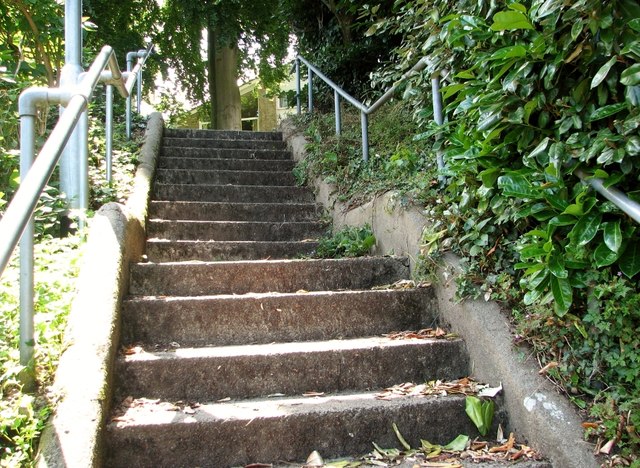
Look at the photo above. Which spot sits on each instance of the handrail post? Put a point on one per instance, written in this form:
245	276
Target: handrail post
310	91
298	103
128	103
109	131
336	98
139	94
438	117
27	153
71	166
364	123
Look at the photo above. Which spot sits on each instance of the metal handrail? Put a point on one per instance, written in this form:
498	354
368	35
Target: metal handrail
16	225
615	196
364	110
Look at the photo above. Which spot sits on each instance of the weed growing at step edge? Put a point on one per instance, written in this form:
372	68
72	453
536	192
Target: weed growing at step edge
22	416
350	241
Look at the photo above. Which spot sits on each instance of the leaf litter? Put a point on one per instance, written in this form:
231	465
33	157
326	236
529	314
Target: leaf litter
465	386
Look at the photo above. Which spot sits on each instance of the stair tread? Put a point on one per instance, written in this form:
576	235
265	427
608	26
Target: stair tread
284	349
160	413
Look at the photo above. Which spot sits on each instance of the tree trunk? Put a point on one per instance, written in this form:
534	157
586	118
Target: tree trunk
223	84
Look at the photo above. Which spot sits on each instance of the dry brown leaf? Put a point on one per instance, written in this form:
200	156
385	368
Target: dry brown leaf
548	367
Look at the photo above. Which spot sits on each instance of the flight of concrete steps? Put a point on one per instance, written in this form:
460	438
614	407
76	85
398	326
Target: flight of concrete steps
236	351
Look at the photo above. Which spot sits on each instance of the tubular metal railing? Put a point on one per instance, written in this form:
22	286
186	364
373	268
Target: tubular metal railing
615	196
16	225
364	110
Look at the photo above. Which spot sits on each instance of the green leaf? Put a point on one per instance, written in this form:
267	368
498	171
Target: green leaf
631	76
510	21
556	266
481	413
630	259
586	228
634	24
604	256
458	444
509	52
400	437
562	294
603	72
612	235
489	176
606	111
516	186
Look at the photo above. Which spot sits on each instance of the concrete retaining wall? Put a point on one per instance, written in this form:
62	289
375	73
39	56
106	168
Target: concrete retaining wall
537	413
72	437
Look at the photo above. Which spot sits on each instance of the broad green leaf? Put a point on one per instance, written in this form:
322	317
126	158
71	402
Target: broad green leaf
607	111
509	52
630	260
450	90
458	444
562	220
518	7
489	176
634	24
516	186
481	413
586	228
510	21
604	256
603	72
562	294
556	266
631	76
612	235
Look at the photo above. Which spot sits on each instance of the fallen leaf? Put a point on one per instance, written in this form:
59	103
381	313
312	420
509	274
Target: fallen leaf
314	459
606	448
545	369
313	394
490	392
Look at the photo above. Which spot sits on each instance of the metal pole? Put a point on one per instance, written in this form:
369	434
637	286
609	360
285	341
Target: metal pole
336	98
437	116
70	165
364	122
109	131
310	91
82	130
128	106
139	95
27	152
298	103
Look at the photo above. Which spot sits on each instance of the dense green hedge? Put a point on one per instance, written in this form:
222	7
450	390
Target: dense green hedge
535	91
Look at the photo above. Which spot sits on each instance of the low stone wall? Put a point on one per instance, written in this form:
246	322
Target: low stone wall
72	438
537	413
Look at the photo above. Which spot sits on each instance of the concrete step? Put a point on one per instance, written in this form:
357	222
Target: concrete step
210	251
212	211
232	193
189	133
279	430
251	371
224	153
213	143
207	278
234	230
220	164
264	318
194	176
